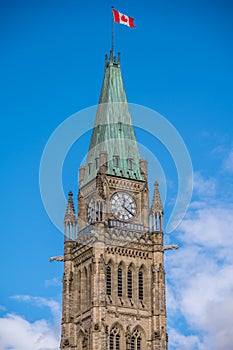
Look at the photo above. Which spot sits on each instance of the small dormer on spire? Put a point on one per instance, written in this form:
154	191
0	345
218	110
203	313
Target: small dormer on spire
70	219
156	212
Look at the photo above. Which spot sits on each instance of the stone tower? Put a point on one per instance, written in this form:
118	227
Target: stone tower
114	279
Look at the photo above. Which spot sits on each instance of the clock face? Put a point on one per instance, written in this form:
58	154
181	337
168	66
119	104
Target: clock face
123	206
90	211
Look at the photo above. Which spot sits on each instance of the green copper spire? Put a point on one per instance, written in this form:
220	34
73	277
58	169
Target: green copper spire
113	139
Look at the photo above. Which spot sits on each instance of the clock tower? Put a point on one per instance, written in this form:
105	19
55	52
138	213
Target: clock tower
114	280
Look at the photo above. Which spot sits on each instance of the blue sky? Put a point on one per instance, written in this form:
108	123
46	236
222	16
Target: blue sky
177	61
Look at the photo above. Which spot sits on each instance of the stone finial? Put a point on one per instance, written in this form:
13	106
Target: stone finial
70	211
111	55
157	206
70	219
118	57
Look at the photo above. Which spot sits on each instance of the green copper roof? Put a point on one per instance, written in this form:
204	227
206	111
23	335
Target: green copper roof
113	130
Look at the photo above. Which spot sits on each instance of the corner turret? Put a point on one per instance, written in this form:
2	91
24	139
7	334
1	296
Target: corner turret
70	219
156	212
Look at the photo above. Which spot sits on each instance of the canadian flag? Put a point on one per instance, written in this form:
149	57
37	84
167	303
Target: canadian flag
123	19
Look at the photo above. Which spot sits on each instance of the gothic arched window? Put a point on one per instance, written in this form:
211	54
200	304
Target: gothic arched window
85	288
116	161
108	280
89	168
115	339
80	340
135	343
140	285
97	163
89	284
119	282
79	290
129	284
99	211
130	163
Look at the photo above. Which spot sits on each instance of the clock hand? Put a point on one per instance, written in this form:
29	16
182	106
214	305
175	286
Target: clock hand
130	212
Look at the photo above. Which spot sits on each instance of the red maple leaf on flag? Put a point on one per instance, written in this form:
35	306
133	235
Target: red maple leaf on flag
124	19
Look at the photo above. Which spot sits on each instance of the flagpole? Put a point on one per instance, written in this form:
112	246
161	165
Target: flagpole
112	34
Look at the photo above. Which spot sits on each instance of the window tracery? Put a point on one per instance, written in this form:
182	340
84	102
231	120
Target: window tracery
136	341
115	339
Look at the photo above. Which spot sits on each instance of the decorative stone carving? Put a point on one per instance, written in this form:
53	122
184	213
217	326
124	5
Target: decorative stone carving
96	327
156	335
56	258
66	342
100	186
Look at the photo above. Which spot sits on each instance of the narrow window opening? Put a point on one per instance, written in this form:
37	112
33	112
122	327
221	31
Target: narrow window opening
101	211
97	163
111	342
138	343
132	344
108	281
79	290
89	168
119	282
90	286
97	211
114	339
116	161
130	163
129	278
117	342
84	287
140	285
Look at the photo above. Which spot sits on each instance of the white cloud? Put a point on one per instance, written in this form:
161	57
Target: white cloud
16	333
182	342
200	279
219	324
40	302
228	162
54	282
204	187
210	226
203	291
